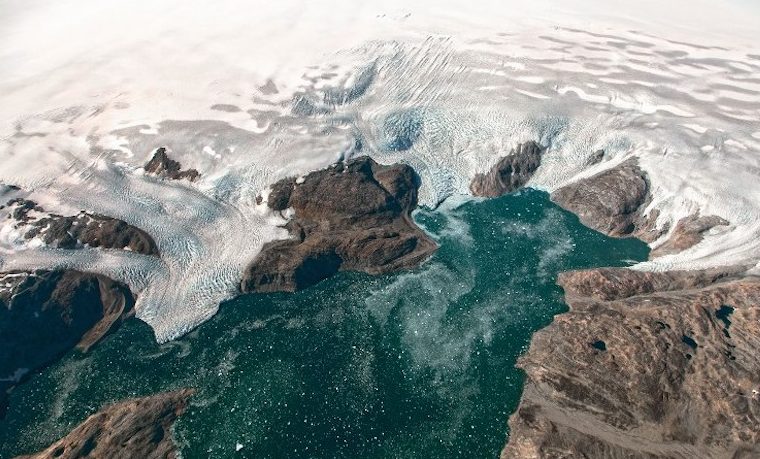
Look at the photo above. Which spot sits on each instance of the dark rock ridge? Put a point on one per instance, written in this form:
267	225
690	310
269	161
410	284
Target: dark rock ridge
511	173
352	216
613	202
44	314
134	428
70	232
163	166
688	232
595	158
7	189
645	365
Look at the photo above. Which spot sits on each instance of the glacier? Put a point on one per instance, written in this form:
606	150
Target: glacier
248	93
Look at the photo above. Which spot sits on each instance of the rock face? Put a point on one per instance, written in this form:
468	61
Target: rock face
605	284
6	189
75	231
43	314
160	164
645	365
687	233
511	173
135	428
352	216
613	202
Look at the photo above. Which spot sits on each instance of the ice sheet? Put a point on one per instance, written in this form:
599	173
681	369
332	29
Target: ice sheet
250	92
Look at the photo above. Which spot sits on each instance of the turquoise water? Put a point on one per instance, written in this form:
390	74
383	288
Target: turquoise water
417	364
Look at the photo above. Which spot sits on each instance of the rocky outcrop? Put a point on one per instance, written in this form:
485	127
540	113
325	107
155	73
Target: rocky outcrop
70	232
352	216
7	189
163	166
135	428
595	158
511	173
613	202
687	233
644	365
605	284
43	314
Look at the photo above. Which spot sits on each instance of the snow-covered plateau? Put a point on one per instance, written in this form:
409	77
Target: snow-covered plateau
248	93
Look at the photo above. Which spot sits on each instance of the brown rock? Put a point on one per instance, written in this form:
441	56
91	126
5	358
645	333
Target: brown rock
605	284
69	232
511	173
160	164
613	202
666	366
687	233
135	428
352	216
44	314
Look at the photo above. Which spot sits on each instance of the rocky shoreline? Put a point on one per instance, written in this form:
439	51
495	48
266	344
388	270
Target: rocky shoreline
643	365
352	216
139	427
44	314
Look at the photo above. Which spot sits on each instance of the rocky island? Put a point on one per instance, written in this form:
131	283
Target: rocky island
352	216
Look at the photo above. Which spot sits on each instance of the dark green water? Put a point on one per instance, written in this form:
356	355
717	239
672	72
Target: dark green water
418	364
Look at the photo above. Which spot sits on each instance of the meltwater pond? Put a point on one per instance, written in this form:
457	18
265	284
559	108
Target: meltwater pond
416	364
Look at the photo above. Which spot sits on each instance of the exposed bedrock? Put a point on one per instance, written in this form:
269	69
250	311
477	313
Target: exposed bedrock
70	232
352	216
605	284
688	232
163	166
644	365
7	189
613	202
135	428
512	172
44	314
